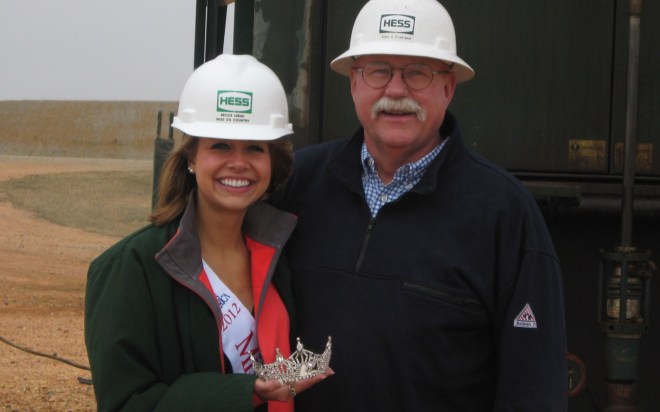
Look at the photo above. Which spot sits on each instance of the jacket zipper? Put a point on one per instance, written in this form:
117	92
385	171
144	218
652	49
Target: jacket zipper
365	242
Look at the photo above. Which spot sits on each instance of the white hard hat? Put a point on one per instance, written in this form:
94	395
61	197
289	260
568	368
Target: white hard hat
404	27
233	97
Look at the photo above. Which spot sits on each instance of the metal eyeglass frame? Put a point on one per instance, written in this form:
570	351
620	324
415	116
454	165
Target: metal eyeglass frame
403	74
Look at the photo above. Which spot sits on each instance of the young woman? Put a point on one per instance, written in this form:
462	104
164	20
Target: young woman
174	310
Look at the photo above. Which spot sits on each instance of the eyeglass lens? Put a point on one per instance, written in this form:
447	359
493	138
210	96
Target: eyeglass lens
416	76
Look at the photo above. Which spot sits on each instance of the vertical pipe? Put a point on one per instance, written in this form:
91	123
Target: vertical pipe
631	124
212	29
200	33
622	347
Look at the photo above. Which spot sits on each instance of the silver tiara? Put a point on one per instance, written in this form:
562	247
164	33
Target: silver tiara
302	364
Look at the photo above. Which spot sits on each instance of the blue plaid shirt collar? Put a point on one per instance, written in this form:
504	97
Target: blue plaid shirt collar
405	178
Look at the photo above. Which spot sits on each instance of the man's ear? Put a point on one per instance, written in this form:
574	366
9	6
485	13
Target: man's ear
352	77
450	87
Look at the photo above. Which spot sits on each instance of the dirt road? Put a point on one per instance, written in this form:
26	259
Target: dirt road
42	279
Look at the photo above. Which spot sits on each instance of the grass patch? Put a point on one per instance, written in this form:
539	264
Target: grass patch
112	203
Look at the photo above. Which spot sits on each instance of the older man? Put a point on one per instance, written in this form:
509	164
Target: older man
429	266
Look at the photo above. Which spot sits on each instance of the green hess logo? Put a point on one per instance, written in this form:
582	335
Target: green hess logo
234	101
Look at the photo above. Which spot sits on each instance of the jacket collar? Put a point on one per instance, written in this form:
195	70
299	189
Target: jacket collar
181	256
453	152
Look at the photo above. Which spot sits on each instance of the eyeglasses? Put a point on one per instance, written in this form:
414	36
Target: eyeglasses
417	76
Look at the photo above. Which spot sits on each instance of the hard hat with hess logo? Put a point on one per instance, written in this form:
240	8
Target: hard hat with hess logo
233	97
404	27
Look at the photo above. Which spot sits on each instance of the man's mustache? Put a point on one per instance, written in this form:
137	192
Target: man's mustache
403	105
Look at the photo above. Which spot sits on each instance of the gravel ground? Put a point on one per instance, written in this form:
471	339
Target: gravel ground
42	279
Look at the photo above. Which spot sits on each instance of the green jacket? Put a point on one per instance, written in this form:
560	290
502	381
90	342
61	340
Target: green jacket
152	329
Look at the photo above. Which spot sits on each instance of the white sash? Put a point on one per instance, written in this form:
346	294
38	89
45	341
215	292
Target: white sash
238	325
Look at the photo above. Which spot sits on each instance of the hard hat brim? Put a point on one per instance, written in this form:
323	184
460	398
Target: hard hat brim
231	131
343	63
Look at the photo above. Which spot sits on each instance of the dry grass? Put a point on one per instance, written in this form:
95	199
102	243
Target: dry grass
110	203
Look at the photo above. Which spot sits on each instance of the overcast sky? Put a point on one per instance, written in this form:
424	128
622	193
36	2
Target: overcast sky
95	50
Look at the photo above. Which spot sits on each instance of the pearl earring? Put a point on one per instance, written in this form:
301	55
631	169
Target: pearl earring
190	170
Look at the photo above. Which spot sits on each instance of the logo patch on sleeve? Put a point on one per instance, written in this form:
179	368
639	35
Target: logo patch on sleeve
525	318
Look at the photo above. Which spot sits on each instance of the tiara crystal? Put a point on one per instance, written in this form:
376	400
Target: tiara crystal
302	364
